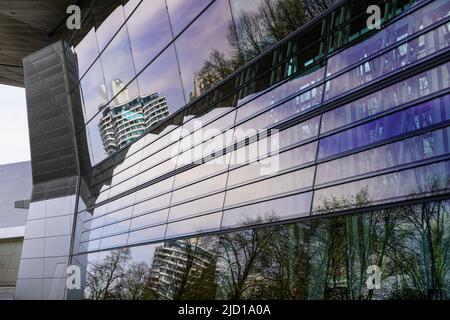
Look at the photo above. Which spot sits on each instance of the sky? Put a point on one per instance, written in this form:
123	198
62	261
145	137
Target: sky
14	141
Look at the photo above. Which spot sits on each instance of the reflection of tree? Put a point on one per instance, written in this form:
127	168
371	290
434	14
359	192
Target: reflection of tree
239	253
183	269
256	31
136	282
422	249
104	279
328	258
189	267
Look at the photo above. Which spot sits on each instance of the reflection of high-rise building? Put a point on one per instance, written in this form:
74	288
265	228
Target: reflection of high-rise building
128	119
175	262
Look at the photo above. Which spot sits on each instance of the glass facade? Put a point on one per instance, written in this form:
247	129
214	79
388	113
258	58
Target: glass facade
179	51
318	259
287	158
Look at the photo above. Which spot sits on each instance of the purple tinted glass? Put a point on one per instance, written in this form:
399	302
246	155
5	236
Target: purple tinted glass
414	118
411	24
405	91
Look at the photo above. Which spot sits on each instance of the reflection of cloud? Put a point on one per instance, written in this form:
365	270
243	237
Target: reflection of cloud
86	51
149	31
109	27
208	32
162	76
182	12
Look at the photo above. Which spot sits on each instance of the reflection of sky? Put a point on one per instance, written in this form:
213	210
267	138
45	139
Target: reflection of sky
91	84
109	27
129	7
239	6
96	145
195	44
182	12
149	31
162	76
86	51
117	62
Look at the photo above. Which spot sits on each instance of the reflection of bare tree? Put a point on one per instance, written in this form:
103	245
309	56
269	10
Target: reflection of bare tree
254	32
104	279
328	258
409	243
184	269
422	248
136	282
239	252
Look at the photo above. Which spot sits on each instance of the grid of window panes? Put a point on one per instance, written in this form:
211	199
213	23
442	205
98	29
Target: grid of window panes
368	127
317	259
181	49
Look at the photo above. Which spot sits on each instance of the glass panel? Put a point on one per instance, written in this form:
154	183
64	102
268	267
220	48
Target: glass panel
405	91
305	101
283	91
201	188
197	225
110	218
86	51
97	143
414	118
205	39
94	91
293	181
203	205
211	267
108	28
414	149
152	204
182	12
162	77
383	189
149	31
118	68
115	241
283	161
268	211
407	53
154	189
300	132
153	271
150	219
130	6
150	234
411	24
202	171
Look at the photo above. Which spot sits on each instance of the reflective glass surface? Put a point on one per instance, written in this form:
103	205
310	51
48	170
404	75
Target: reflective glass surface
422	147
182	13
397	31
149	31
175	182
205	40
402	92
414	118
412	51
211	267
162	76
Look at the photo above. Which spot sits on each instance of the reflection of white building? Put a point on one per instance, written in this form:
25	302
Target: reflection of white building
127	119
175	262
